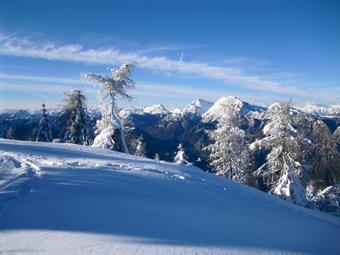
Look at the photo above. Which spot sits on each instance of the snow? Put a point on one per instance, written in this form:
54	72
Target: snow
156	109
197	107
126	112
321	110
220	108
104	138
58	198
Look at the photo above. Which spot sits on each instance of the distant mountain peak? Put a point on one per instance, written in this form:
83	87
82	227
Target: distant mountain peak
219	108
157	109
197	107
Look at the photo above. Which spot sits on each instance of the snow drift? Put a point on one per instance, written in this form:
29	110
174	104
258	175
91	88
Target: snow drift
62	199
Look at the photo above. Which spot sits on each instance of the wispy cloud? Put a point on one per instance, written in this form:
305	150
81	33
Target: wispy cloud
59	85
40	79
23	47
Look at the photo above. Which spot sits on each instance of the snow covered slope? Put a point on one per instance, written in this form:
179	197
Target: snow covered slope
69	199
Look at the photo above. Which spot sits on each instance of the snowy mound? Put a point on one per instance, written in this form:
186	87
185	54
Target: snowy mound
322	110
57	198
156	109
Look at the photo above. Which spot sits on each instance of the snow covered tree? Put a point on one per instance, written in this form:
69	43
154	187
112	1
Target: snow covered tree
336	137
323	141
282	171
229	153
44	132
111	87
327	200
180	157
323	151
140	147
74	118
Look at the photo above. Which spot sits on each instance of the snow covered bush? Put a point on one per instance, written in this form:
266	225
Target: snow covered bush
111	87
180	157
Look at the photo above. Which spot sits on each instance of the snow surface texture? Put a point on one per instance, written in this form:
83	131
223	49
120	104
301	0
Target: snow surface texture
70	199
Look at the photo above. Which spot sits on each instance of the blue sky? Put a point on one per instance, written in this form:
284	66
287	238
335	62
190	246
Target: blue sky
260	51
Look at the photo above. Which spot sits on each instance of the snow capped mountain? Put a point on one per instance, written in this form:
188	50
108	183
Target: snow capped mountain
156	109
126	112
57	198
197	107
194	108
220	108
321	110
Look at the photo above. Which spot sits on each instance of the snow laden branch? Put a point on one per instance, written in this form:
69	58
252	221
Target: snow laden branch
111	87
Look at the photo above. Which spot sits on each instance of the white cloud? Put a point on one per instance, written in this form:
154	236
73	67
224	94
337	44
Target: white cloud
22	47
40	79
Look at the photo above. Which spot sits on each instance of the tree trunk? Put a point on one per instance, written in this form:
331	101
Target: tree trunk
114	116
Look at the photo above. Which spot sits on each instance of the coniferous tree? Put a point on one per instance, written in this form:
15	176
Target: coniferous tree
324	151
111	88
44	132
140	147
283	170
229	153
336	137
74	118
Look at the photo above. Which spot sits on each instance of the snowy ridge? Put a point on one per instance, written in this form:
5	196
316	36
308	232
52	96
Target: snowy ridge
194	108
321	110
126	112
94	201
